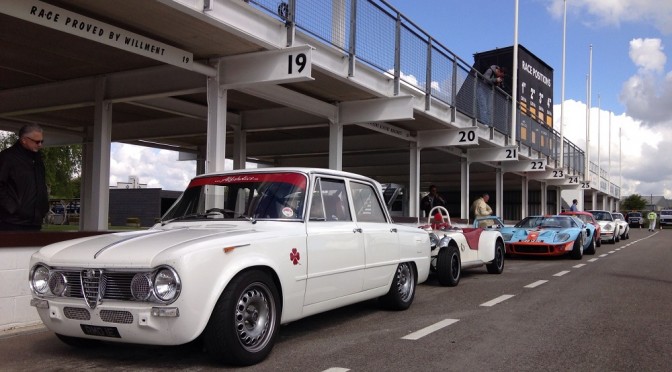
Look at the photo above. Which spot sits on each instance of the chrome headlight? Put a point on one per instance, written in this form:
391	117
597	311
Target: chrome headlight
561	237
608	227
58	283
39	279
444	241
166	284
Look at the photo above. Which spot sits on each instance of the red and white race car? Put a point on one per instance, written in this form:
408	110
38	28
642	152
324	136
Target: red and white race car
456	248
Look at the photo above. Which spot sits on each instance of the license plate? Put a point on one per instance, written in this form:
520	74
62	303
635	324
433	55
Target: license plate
101	331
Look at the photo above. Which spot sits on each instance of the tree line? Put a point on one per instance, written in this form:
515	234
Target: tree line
63	167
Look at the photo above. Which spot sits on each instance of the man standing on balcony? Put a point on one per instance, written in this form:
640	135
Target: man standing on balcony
493	76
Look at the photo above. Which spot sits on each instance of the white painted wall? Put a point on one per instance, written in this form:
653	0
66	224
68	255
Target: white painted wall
15	309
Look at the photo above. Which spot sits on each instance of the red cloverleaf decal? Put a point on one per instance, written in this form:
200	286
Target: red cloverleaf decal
294	256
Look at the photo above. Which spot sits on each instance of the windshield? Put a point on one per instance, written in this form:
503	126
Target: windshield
602	215
258	196
666	213
547	222
618	216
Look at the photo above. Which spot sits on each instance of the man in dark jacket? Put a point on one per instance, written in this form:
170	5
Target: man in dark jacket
24	199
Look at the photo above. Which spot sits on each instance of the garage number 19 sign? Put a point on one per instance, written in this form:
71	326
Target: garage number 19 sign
270	67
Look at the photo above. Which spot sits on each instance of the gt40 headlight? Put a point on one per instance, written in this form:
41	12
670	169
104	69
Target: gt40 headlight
39	279
561	237
507	236
167	284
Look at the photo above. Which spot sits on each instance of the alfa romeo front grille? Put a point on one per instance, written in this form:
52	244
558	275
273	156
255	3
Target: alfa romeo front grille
93	286
96	285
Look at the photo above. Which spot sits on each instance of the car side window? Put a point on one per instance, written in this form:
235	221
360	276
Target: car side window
329	201
366	203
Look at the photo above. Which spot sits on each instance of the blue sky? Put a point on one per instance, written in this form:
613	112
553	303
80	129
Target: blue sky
631	42
630	73
468	27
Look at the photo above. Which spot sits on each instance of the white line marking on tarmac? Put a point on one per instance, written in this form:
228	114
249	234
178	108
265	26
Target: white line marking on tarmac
497	300
604	255
612	252
579	265
561	273
427	330
536	284
336	369
593	259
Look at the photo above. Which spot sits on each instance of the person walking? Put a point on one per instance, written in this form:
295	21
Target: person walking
574	206
431	200
652	220
24	199
482	209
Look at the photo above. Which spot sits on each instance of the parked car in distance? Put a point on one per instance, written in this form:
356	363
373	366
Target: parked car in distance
624	225
635	219
610	229
587	217
238	254
665	217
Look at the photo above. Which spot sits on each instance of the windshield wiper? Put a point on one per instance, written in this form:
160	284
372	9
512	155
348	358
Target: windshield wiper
208	213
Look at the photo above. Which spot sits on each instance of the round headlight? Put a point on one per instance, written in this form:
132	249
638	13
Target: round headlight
58	283
39	279
166	284
141	286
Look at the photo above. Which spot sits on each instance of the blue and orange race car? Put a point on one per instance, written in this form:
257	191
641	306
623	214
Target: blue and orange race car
549	236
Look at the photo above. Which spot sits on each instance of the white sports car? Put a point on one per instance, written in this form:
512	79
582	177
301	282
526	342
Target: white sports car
238	254
456	248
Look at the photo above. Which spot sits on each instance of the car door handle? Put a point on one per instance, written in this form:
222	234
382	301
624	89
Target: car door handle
357	230
393	230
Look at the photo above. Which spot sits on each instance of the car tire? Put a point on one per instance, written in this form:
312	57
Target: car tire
244	323
598	243
616	239
497	264
449	266
577	249
78	342
402	291
591	249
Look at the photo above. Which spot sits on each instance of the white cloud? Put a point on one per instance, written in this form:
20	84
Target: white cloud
648	54
615	12
156	168
632	157
648	93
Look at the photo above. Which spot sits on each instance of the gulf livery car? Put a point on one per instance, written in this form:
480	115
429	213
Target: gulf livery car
238	254
549	236
611	230
457	248
588	218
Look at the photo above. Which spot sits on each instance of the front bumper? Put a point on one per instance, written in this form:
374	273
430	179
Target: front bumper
119	321
539	248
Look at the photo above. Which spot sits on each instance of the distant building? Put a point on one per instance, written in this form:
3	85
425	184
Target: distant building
133	199
133	183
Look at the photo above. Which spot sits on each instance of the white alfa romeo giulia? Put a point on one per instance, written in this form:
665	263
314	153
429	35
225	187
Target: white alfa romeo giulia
238	254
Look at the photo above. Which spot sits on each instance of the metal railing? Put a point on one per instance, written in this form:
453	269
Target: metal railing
375	33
